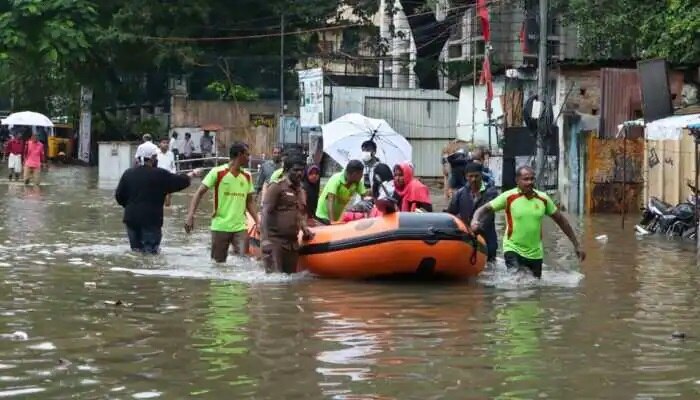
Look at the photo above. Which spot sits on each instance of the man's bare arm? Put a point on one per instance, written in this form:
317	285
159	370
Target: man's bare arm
330	202
250	207
269	204
479	215
189	222
565	226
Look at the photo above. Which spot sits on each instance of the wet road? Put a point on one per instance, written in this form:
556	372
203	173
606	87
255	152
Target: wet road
194	330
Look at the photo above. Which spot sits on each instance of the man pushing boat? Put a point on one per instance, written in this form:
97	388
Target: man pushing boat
525	208
283	216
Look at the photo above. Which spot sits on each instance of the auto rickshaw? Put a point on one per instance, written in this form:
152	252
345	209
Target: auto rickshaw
60	142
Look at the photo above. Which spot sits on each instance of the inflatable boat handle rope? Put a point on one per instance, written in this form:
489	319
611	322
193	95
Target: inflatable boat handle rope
472	239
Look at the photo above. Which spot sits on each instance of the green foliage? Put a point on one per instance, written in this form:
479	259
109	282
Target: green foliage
228	91
635	28
149	125
126	50
457	70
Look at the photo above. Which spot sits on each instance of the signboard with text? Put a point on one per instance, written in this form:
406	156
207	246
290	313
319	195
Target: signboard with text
311	98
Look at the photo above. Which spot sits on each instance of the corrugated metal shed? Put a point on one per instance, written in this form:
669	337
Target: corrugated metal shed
620	99
427	118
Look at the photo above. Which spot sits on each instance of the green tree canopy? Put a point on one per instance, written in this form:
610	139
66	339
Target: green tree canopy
635	28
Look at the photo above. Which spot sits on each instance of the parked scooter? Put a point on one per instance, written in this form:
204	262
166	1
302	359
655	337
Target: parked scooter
661	217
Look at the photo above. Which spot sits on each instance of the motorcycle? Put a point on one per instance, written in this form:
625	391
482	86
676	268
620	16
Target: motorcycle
661	217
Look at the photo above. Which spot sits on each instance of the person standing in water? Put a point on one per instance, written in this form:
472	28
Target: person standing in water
469	198
233	196
166	161
142	191
34	158
283	217
525	208
14	149
267	168
339	190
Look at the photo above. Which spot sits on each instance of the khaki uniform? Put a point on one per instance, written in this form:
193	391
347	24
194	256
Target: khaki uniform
283	206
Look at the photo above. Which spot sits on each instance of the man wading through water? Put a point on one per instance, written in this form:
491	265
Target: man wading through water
525	208
233	196
142	191
283	216
472	196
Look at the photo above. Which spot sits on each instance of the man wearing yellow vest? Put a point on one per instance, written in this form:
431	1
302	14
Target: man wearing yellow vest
234	193
525	208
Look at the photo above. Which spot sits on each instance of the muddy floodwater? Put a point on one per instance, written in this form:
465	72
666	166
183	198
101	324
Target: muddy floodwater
624	325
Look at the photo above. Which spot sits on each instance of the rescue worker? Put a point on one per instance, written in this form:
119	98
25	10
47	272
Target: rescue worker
338	191
233	196
283	216
525	208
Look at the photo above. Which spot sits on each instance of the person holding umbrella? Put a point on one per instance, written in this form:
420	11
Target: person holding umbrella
352	136
369	158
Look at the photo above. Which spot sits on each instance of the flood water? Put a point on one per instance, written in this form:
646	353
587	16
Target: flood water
194	330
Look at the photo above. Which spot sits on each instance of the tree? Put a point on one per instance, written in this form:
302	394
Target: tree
635	29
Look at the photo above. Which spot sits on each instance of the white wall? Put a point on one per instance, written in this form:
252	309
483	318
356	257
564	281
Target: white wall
475	130
113	159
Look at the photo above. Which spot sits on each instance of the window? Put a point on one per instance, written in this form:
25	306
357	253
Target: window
351	40
480	48
456	31
325	46
454	51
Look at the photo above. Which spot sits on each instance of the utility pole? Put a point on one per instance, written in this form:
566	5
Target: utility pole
542	97
281	65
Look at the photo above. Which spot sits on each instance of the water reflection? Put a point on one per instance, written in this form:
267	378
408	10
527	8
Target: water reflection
382	334
222	337
517	352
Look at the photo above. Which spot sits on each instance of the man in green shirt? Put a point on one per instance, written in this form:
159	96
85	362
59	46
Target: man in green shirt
233	196
525	208
339	190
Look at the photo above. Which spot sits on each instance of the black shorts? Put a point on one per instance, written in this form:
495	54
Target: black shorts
518	262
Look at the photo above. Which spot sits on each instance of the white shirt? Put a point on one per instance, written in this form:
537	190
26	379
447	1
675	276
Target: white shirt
167	161
176	144
188	147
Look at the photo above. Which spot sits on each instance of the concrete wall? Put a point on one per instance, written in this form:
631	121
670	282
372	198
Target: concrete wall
577	91
236	118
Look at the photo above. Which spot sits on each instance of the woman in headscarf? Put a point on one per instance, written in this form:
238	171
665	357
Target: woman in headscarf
312	186
410	193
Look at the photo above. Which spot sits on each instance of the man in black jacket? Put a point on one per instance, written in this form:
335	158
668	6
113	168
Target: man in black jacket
472	196
142	191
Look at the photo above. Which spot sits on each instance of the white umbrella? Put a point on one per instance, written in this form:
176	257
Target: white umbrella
27	118
343	138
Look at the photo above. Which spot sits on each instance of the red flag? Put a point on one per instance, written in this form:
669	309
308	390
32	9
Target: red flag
523	38
483	14
487	79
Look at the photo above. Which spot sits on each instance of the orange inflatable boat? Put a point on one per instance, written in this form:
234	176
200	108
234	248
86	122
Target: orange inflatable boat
427	245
